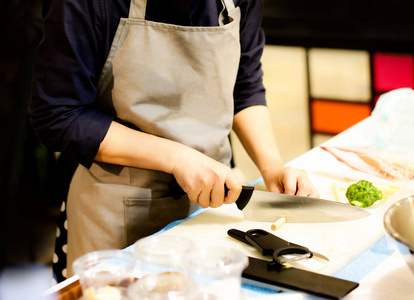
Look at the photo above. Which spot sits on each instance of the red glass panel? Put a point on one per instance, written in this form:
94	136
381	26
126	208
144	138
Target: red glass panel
393	71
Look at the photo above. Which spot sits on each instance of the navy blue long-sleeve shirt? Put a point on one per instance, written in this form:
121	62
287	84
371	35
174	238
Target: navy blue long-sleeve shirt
76	41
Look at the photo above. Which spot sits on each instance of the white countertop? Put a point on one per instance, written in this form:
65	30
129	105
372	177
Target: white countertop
358	250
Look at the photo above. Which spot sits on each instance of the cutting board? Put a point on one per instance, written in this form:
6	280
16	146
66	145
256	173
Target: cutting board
341	242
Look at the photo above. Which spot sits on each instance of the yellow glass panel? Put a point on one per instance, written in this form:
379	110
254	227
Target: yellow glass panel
340	74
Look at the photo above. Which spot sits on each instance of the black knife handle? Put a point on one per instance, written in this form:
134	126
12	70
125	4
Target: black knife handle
245	195
247	191
175	190
270	244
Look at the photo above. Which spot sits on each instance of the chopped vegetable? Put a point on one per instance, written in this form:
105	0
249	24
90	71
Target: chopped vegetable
279	223
336	192
363	194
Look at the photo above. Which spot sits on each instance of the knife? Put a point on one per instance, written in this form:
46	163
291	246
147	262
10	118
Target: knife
269	207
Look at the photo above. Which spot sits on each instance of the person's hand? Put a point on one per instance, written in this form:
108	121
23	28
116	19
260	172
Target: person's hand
288	180
203	179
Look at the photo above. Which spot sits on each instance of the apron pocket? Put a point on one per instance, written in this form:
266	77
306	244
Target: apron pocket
144	217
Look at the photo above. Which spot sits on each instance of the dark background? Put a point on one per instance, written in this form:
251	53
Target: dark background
377	25
33	182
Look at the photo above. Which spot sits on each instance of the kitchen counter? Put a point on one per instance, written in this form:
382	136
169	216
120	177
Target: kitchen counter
358	250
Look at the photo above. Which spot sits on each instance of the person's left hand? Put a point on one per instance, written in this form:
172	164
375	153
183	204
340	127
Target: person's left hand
288	180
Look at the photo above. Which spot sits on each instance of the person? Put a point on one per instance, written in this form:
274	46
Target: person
145	93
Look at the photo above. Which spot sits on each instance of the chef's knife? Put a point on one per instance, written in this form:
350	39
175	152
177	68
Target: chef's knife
269	207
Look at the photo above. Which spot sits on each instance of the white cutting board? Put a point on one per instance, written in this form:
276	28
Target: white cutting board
341	242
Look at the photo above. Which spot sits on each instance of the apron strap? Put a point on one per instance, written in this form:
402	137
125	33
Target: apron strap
229	6
138	7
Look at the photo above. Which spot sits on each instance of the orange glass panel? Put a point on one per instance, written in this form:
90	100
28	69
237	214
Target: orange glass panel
333	117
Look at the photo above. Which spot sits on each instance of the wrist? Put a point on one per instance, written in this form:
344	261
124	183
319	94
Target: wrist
270	166
174	153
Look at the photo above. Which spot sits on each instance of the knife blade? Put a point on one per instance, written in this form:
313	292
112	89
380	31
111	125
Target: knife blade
269	207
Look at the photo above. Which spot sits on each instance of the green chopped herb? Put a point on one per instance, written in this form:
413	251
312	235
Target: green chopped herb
363	194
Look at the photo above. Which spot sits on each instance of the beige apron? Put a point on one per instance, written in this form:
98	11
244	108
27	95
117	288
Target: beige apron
171	81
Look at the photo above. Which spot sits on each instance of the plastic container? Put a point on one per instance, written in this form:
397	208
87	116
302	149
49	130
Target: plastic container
164	286
105	274
217	271
157	254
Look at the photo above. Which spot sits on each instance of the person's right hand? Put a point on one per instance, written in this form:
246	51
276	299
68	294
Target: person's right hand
203	179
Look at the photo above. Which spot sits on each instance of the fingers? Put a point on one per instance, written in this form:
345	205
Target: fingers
288	180
204	179
311	189
216	198
235	189
294	181
210	189
207	192
305	188
218	194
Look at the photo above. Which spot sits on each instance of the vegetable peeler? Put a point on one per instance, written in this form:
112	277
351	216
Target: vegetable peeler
277	273
270	244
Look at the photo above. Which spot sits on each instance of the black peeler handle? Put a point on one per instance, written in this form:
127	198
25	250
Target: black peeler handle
267	243
238	235
270	244
247	191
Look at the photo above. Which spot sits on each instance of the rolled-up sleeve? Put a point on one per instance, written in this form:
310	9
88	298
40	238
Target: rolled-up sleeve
249	89
66	71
